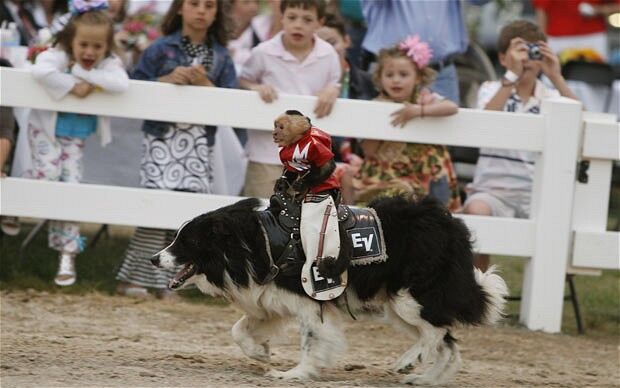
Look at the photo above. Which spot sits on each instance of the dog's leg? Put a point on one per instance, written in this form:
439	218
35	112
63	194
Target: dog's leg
320	341
452	366
252	336
445	366
405	307
404	362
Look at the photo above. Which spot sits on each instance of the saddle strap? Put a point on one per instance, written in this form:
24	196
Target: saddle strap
346	302
326	215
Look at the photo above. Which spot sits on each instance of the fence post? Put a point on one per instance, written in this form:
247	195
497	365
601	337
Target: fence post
552	204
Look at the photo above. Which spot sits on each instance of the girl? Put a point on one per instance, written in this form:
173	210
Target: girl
394	167
178	156
79	63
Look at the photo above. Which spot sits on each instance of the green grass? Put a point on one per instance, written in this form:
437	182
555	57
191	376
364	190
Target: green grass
599	297
96	267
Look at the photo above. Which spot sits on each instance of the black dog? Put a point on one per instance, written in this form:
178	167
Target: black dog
427	285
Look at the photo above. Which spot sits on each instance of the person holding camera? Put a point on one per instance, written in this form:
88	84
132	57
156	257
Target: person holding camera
503	179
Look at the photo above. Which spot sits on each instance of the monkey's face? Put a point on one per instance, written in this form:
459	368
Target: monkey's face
288	129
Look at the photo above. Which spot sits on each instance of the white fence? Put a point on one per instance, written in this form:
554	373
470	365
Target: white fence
567	230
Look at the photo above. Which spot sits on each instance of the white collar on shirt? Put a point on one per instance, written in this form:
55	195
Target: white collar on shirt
275	47
541	91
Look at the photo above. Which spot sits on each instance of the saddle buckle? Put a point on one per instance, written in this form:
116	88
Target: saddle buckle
273	272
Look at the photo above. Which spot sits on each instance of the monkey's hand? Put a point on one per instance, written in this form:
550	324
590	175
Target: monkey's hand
300	185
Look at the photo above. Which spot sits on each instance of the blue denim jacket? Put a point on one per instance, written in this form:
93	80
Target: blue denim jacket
165	54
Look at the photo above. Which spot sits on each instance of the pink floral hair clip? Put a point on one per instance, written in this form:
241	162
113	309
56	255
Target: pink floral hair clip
419	51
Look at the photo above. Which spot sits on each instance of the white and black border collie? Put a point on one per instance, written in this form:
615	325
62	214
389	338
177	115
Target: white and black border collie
427	286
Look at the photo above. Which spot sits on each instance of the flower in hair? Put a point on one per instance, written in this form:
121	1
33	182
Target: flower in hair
77	7
416	49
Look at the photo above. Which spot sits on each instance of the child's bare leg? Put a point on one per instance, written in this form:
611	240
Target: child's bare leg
479	208
346	188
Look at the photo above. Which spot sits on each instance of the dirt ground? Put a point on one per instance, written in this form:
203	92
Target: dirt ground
100	340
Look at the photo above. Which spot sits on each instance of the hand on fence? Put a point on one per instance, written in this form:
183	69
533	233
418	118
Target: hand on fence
198	76
82	89
181	75
327	98
408	112
266	92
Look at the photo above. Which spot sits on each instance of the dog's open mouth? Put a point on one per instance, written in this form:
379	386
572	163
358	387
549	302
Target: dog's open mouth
179	279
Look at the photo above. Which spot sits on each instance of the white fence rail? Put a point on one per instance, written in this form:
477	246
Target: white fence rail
554	234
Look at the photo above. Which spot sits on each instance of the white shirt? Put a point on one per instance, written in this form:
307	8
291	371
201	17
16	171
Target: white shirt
500	169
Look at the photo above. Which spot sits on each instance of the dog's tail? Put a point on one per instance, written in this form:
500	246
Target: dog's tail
495	290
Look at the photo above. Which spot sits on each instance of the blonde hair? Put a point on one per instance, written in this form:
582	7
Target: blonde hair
426	75
65	37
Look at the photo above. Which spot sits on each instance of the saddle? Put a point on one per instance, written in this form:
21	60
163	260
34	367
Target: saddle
280	224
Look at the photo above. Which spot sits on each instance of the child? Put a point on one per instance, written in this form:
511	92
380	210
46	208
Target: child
178	156
401	76
80	63
294	61
503	179
244	34
355	84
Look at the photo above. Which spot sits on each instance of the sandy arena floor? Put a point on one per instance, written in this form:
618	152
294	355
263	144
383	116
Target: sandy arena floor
97	340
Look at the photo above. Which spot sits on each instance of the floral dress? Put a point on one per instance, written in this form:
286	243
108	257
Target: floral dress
411	169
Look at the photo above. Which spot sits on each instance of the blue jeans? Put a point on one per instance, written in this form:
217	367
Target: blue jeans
447	84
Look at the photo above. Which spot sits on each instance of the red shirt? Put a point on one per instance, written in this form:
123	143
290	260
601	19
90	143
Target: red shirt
563	17
313	149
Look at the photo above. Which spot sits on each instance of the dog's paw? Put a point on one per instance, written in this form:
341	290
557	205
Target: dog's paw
262	354
405	363
414	379
403	370
402	365
258	352
296	373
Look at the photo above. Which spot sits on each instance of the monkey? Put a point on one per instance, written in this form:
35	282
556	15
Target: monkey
306	153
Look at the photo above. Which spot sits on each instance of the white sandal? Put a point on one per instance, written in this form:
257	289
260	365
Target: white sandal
10	225
66	275
132	290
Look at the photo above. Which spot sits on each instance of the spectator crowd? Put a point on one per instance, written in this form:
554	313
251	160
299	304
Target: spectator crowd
400	51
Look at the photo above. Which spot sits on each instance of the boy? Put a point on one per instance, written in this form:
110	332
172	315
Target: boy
294	61
503	179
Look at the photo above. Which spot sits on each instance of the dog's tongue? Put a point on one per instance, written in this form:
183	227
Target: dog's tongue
188	271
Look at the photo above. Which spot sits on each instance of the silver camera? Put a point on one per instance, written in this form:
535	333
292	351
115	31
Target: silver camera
533	51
